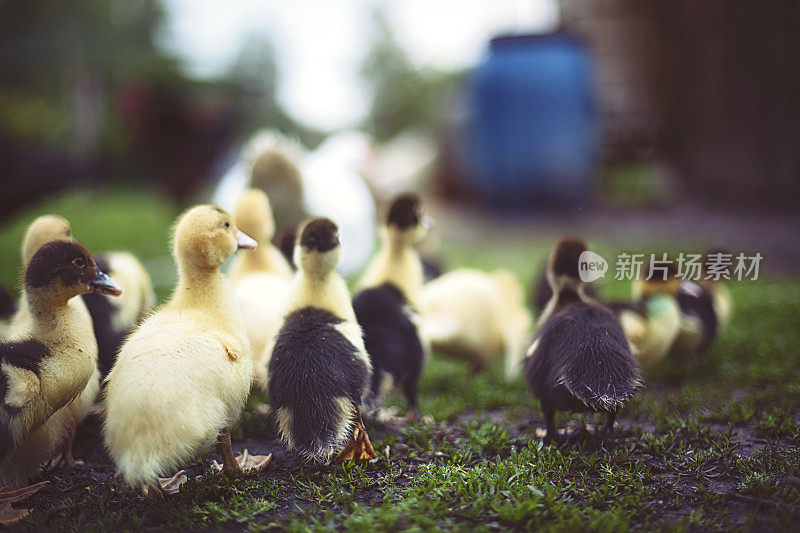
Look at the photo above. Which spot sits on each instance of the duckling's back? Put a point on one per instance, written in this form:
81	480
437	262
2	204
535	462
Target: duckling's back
176	384
390	331
318	374
583	362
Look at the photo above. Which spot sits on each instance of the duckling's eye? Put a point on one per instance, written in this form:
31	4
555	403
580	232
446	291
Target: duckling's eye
69	233
227	224
79	262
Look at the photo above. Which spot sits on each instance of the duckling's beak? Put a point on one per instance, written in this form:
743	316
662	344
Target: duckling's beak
102	284
245	242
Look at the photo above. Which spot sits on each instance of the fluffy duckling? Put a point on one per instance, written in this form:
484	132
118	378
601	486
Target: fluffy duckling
385	306
48	364
114	318
319	371
181	379
720	293
699	324
475	316
580	359
260	279
653	322
542	293
42	230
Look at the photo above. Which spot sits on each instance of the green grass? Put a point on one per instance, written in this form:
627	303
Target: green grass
712	443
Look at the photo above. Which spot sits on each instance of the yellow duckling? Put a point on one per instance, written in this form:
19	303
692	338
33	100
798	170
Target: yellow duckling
261	279
476	316
47	364
181	379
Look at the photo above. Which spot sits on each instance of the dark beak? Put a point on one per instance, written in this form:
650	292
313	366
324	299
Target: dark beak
102	284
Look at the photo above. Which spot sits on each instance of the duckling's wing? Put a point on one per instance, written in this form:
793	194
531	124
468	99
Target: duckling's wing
19	371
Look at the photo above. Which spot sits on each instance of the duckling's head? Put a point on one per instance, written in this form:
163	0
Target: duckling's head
663	279
254	217
407	222
206	236
60	270
562	269
44	229
317	250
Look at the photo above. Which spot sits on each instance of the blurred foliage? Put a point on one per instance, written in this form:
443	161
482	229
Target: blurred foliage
55	54
402	96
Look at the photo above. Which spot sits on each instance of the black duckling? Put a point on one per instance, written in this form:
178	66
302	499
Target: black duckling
542	292
580	359
319	371
385	307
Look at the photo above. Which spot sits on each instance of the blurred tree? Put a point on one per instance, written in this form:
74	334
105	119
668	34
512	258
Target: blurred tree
254	75
402	96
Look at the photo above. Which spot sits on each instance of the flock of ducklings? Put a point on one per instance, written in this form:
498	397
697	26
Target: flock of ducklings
175	379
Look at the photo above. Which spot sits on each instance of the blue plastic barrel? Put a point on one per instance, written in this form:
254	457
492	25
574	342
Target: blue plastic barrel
531	131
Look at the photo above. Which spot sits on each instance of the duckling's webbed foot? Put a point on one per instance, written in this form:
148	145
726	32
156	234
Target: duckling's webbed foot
9	515
167	486
359	447
247	462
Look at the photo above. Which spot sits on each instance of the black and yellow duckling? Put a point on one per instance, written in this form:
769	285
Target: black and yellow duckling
719	290
45	229
46	365
385	306
580	359
652	320
319	371
542	292
182	378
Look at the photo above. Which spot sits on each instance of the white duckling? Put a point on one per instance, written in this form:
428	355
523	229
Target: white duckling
182	378
476	316
261	279
45	366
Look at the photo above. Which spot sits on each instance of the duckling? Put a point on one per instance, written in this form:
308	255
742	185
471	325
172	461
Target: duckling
720	293
699	325
47	365
182	377
285	241
113	319
653	321
8	308
261	279
580	359
44	229
319	371
385	305
542	293
475	316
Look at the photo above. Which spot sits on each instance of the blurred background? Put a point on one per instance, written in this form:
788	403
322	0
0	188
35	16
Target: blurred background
633	122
